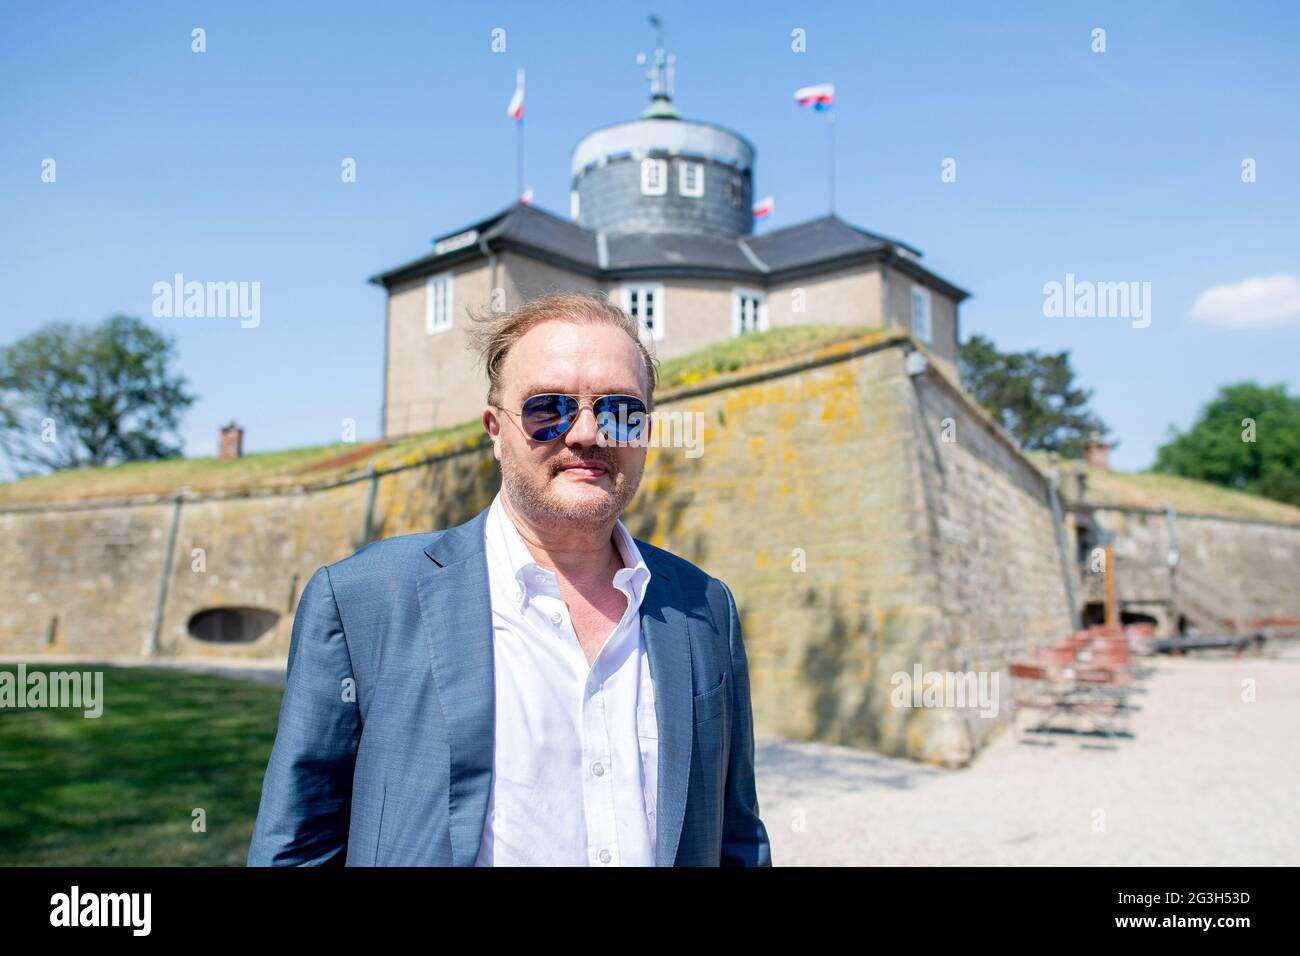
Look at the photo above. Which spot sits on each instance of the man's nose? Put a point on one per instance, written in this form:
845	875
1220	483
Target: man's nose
584	432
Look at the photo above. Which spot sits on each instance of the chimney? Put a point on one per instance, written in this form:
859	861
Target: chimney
232	442
1096	453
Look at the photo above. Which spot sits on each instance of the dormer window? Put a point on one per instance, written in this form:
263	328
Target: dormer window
654	177
690	178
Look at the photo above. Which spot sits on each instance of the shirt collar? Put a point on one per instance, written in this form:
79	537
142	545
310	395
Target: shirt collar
508	548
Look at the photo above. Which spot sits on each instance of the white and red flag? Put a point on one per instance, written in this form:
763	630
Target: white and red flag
516	108
819	97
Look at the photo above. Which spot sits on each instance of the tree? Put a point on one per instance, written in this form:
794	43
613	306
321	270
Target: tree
73	396
1031	395
1247	438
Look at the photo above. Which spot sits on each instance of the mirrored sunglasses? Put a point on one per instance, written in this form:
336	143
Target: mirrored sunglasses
547	417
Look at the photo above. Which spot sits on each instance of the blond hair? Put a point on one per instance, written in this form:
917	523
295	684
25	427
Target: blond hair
493	334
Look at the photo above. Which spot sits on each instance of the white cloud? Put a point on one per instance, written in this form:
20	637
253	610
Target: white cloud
1256	302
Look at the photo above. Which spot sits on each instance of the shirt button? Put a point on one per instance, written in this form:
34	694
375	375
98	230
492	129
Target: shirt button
540	577
556	618
598	769
604	856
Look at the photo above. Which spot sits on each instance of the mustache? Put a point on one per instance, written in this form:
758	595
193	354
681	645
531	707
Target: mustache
607	462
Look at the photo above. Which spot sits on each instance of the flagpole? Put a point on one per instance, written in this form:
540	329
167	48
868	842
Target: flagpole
831	156
519	171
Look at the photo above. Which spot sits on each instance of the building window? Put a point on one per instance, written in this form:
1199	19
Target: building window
735	190
690	178
654	177
575	205
921	313
748	311
437	312
645	303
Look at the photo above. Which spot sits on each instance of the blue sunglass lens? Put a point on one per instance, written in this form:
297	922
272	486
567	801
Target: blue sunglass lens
620	416
548	416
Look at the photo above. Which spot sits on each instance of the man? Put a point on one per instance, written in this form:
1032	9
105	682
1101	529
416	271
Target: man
532	687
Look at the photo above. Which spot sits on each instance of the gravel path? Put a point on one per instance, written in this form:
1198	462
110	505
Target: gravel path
1205	780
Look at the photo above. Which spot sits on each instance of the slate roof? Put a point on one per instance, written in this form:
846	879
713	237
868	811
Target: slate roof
807	248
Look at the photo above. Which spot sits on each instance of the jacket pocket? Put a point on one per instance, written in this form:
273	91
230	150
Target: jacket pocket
709	704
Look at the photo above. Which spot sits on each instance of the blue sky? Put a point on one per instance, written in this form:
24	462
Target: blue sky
1115	166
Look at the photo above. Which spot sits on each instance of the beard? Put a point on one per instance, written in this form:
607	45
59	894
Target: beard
536	493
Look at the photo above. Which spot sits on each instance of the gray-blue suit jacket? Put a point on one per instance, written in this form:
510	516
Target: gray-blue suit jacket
383	755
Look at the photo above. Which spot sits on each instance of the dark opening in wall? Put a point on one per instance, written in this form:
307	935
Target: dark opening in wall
1136	617
1085	534
1094	613
231	625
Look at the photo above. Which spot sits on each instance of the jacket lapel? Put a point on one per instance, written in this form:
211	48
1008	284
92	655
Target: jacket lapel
455	605
664	630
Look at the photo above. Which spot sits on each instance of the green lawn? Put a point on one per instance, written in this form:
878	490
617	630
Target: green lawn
121	789
757	348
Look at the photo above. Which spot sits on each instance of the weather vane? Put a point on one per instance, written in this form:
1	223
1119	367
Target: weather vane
660	73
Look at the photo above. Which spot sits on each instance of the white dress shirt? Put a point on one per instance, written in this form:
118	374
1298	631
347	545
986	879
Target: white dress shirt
575	763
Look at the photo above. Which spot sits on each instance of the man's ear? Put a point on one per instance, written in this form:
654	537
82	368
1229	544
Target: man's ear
492	424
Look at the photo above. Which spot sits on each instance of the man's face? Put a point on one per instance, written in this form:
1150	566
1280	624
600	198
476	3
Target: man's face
540	478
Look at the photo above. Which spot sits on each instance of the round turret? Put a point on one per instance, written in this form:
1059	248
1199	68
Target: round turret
663	174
